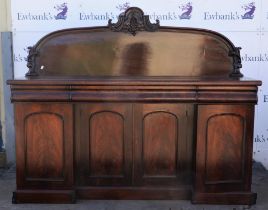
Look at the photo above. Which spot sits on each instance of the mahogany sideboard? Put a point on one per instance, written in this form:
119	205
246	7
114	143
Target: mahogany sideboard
134	110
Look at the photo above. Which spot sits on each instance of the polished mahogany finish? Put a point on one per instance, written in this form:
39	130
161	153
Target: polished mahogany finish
77	52
134	111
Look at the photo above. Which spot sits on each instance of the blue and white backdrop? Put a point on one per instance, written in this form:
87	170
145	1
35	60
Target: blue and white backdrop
245	22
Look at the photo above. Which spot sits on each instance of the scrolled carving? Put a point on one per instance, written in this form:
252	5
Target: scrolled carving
31	61
235	53
133	20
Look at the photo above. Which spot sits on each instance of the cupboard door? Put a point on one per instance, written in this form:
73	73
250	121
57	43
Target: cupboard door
224	148
163	144
104	144
44	145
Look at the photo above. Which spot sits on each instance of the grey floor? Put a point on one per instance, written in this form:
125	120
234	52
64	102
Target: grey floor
7	185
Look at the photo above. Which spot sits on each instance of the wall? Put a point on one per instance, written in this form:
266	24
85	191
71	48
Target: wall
245	22
5	25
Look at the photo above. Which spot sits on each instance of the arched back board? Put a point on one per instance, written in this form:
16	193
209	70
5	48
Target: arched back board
134	47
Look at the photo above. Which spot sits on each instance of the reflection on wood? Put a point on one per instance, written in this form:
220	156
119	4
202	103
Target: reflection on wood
168	52
135	59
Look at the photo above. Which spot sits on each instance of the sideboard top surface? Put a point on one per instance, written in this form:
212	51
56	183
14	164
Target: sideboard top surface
135	81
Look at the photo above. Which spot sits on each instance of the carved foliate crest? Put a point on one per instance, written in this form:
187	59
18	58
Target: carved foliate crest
133	20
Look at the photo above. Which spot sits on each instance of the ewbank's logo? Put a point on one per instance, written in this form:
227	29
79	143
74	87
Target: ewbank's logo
232	15
61	14
123	7
63	9
250	9
187	11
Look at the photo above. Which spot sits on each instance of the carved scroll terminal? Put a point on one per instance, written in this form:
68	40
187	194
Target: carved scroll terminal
237	65
31	61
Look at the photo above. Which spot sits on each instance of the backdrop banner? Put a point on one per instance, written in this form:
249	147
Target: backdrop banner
245	22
